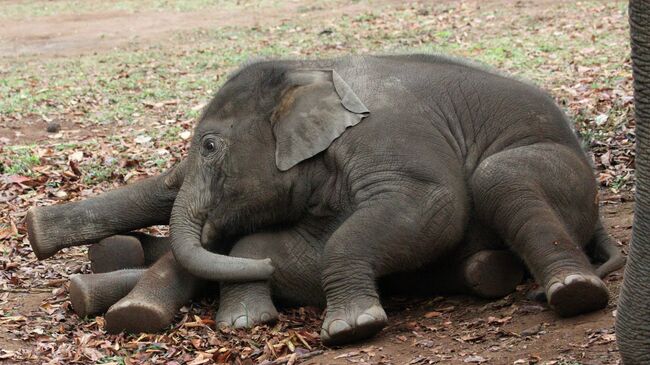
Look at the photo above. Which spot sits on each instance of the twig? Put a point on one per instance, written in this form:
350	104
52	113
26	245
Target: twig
286	358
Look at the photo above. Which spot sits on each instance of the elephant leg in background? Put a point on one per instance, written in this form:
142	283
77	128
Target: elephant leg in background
481	265
129	251
365	247
541	200
485	274
296	279
142	204
633	318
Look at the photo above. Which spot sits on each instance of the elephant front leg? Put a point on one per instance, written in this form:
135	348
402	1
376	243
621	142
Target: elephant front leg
143	204
389	234
296	279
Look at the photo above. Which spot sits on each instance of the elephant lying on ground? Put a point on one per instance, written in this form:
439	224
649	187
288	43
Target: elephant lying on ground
385	162
480	268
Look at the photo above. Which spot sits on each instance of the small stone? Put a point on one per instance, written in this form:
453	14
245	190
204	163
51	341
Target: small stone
53	127
532	330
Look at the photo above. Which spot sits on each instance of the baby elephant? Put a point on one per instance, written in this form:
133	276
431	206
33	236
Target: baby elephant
384	162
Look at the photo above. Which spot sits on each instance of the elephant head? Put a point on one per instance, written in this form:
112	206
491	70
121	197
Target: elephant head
254	161
633	318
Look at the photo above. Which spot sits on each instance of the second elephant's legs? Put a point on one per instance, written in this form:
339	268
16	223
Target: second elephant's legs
93	294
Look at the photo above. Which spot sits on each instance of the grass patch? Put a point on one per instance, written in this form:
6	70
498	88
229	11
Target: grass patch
20	161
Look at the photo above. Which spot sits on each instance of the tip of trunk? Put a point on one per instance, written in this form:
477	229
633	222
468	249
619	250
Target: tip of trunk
211	266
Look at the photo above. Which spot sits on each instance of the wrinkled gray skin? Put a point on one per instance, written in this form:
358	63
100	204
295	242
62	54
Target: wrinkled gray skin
136	299
140	287
633	316
383	161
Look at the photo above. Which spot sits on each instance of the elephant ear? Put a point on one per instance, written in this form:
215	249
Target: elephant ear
314	110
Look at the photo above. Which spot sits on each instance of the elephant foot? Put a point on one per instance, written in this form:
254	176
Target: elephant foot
92	294
492	273
81	297
135	316
577	293
42	245
116	253
246	315
355	322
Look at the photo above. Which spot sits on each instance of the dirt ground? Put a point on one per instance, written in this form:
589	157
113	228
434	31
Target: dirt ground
74	34
448	330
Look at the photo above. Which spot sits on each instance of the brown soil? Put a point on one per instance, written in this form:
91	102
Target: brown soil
19	304
73	34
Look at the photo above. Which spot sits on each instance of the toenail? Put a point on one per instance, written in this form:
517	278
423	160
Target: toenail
365	319
554	287
241	322
596	281
376	311
265	317
573	278
337	326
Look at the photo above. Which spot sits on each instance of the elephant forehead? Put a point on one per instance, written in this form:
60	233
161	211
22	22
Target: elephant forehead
216	124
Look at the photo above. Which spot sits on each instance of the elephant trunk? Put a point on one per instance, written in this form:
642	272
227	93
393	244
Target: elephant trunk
186	225
633	317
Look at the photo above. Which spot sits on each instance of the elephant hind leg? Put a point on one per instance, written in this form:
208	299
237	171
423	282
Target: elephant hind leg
483	273
93	294
155	299
541	200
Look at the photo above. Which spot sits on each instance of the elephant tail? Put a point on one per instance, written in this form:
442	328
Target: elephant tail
604	250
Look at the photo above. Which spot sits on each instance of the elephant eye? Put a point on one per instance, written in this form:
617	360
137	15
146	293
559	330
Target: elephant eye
209	145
